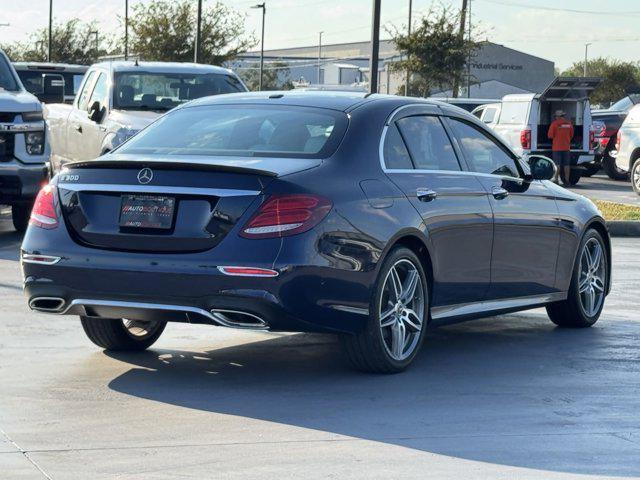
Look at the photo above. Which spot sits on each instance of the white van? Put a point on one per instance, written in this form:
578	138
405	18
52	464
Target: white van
525	119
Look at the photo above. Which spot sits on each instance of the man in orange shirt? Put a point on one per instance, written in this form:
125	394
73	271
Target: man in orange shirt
561	133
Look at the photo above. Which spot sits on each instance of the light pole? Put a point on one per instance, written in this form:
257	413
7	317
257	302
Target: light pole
586	55
406	84
319	55
196	49
126	29
375	48
50	27
95	32
263	6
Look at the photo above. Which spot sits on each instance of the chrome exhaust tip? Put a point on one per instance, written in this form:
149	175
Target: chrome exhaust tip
47	304
238	319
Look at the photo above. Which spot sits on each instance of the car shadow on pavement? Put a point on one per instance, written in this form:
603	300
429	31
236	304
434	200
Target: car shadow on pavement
512	390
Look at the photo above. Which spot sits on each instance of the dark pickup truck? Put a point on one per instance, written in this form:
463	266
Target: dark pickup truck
606	124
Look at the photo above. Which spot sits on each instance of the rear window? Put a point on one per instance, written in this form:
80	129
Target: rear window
514	113
7	80
251	130
33	80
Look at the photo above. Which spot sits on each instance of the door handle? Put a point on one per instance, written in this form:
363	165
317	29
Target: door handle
499	193
78	127
426	194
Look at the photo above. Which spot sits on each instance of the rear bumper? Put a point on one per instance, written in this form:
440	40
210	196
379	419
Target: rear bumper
303	298
20	182
577	157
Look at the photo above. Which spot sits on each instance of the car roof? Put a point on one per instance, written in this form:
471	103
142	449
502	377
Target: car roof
334	100
519	97
42	66
161	67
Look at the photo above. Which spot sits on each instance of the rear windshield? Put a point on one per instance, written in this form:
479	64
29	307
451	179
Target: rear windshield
7	80
33	80
248	130
164	91
514	113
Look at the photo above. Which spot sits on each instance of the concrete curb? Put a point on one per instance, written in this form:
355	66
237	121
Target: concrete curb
624	228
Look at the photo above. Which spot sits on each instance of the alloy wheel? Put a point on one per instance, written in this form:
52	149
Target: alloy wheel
636	175
591	283
401	310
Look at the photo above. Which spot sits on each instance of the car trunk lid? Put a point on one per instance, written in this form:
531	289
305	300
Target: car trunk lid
163	204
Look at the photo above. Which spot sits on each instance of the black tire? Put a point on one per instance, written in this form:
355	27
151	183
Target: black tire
635	176
112	334
573	179
611	169
570	313
590	169
367	350
20	215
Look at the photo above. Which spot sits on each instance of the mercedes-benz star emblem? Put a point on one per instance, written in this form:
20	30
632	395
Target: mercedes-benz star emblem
145	175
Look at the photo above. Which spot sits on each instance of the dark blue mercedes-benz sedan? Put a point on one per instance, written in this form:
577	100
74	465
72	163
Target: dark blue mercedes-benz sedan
369	216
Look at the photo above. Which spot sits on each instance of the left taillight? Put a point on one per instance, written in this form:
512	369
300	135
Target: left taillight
283	215
44	213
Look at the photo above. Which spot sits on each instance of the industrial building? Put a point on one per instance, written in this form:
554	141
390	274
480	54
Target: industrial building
495	70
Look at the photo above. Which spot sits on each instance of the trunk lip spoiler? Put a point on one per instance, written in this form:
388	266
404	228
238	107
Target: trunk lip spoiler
274	166
156	189
100	163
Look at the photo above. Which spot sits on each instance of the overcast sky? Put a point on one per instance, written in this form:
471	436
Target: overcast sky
552	29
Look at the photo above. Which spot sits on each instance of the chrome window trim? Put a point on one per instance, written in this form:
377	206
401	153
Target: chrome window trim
421	170
157	189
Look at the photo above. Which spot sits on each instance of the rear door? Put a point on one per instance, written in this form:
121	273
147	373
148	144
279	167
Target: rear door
526	219
419	157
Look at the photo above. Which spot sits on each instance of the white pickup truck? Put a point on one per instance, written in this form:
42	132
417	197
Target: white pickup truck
24	150
117	99
524	121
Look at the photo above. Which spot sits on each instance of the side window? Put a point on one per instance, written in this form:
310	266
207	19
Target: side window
483	153
395	151
489	115
100	91
514	113
83	99
428	143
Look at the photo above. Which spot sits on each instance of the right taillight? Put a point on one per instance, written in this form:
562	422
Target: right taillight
525	139
44	214
282	215
618	140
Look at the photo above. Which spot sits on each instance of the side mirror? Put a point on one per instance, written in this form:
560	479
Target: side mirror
542	168
95	112
52	89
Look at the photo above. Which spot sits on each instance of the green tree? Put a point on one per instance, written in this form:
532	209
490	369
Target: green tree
71	42
165	30
617	77
434	53
276	76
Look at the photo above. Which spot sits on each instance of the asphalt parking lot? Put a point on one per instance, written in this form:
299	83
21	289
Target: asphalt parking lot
601	187
508	397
